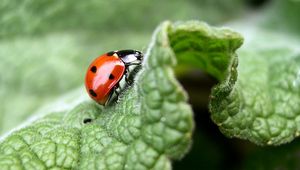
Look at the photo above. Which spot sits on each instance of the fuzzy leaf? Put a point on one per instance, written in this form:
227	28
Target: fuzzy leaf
261	103
33	67
150	125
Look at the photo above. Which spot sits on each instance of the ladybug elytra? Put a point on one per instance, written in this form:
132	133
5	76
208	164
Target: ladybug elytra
105	73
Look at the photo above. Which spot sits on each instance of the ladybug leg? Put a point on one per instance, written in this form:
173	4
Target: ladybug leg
128	82
109	99
116	89
128	74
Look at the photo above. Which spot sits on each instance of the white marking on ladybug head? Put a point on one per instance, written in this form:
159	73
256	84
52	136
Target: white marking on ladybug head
115	55
128	59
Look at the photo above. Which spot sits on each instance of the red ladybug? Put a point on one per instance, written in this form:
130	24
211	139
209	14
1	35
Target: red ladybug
105	72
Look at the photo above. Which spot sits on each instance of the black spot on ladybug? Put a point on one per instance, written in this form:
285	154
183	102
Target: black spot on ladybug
92	93
94	69
87	120
110	53
111	76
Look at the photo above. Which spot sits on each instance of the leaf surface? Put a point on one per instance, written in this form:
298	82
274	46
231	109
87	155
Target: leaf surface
259	99
148	126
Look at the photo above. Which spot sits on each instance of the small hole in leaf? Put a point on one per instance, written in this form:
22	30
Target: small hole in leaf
87	120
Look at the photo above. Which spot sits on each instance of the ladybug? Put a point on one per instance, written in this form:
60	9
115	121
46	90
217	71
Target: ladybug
105	73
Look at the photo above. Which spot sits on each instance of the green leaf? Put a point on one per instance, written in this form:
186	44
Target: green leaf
261	103
32	17
33	71
150	125
33	68
280	15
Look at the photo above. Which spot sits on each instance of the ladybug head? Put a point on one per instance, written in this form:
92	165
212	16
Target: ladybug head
130	57
139	55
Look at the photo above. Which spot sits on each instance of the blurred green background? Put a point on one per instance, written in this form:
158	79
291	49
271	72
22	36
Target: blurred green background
46	46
